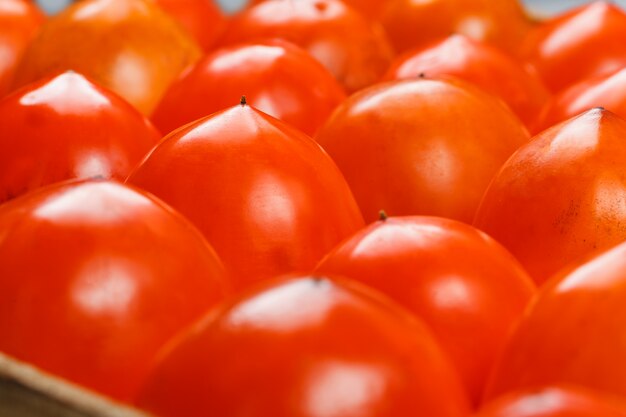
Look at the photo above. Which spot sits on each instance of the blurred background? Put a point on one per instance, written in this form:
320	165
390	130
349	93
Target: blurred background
537	7
551	7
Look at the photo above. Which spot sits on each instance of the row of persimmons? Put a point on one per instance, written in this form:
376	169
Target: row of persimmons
156	273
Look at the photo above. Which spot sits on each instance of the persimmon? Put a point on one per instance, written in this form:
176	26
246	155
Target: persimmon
421	147
306	347
63	127
464	285
586	42
481	64
560	196
573	332
19	22
608	92
129	46
354	49
95	277
412	24
276	77
265	195
202	18
560	400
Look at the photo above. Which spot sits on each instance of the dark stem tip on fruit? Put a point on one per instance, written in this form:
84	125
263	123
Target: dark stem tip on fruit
421	75
382	215
599	108
319	280
243	101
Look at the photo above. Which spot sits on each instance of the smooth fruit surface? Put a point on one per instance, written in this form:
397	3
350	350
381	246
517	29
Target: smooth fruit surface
607	92
561	196
129	46
265	195
465	287
555	401
583	43
65	127
19	22
276	77
421	147
305	347
354	49
202	18
95	277
483	65
411	24
584	346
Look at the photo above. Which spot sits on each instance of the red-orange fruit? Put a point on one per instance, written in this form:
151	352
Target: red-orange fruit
129	46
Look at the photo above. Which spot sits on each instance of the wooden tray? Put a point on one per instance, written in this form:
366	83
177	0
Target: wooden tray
26	391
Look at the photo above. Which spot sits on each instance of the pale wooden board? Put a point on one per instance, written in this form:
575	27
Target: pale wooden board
28	392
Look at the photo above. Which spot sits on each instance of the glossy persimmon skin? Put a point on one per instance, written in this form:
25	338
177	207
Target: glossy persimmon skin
560	196
466	287
555	401
586	42
369	8
305	347
481	64
353	48
202	18
95	277
411	24
265	195
276	77
19	22
65	127
608	92
421	147
129	46
573	333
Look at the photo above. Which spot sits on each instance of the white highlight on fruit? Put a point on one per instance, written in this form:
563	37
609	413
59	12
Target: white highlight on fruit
285	308
475	27
106	286
451	292
66	94
339	388
93	165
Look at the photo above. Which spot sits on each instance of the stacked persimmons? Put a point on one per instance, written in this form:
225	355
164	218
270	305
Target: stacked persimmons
317	208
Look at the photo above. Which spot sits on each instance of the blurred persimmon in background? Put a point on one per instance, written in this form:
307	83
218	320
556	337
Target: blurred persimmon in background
483	65
586	42
411	23
353	48
369	8
19	22
129	46
202	18
276	76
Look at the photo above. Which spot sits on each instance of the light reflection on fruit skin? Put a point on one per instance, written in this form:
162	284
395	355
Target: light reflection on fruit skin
229	171
308	347
467	288
90	282
19	22
143	52
64	126
561	196
353	48
421	146
277	77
